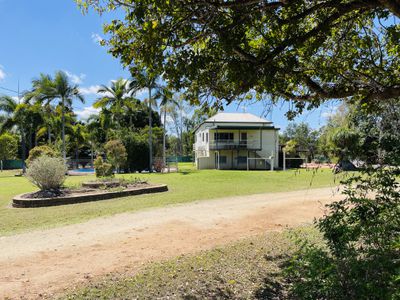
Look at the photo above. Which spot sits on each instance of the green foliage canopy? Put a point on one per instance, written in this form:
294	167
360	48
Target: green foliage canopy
290	147
103	169
303	135
116	153
360	258
39	151
46	89
307	51
8	146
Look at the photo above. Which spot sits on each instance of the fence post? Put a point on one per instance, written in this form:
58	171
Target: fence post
284	160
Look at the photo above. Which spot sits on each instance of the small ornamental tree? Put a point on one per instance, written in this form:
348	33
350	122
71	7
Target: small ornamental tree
47	173
8	147
40	151
116	153
102	168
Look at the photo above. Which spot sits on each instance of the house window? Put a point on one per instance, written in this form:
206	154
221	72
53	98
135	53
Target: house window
218	136
222	159
242	159
207	137
202	136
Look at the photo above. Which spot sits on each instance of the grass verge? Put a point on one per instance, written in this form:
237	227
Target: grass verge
248	269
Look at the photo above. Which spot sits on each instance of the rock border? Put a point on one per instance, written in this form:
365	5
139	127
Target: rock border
20	202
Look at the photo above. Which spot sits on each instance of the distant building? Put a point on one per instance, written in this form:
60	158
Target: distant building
236	141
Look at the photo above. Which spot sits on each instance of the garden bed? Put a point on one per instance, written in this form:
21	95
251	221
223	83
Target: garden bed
73	196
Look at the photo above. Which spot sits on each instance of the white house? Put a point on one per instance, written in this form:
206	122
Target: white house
236	141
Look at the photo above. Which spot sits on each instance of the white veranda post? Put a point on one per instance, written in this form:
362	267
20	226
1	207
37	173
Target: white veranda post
271	160
284	160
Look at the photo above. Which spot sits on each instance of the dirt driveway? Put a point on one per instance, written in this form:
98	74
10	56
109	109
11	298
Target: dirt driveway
42	263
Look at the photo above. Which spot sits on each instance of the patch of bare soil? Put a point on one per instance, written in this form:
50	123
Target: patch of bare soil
56	193
95	188
44	263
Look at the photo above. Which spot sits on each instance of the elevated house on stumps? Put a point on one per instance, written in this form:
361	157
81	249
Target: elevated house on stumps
229	141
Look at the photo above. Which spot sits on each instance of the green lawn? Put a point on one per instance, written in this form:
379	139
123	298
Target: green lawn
186	186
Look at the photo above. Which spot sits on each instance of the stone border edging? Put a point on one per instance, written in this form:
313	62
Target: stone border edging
20	202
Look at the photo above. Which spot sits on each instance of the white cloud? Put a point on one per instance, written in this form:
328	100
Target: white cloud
96	38
327	115
329	112
2	73
86	112
77	79
90	90
141	93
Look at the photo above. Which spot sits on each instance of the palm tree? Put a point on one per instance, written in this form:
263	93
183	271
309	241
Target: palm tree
116	98
16	116
7	104
167	102
50	122
78	137
45	90
145	80
95	134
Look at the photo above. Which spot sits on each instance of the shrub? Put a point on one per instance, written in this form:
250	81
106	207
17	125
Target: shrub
8	146
47	173
116	153
158	165
39	151
102	168
138	152
361	255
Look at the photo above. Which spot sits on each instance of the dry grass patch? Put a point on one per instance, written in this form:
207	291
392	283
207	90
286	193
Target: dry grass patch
248	269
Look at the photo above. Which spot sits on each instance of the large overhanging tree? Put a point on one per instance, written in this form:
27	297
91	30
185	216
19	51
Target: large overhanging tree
301	50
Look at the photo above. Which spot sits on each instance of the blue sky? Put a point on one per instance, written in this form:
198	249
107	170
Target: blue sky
42	36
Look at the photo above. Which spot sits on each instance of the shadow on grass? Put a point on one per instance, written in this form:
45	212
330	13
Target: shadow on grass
275	286
187	171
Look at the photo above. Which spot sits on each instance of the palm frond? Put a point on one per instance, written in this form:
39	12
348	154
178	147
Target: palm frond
7	104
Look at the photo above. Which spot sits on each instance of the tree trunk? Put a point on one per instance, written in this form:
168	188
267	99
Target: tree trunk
30	142
164	134
91	155
77	156
180	130
23	146
150	135
64	154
